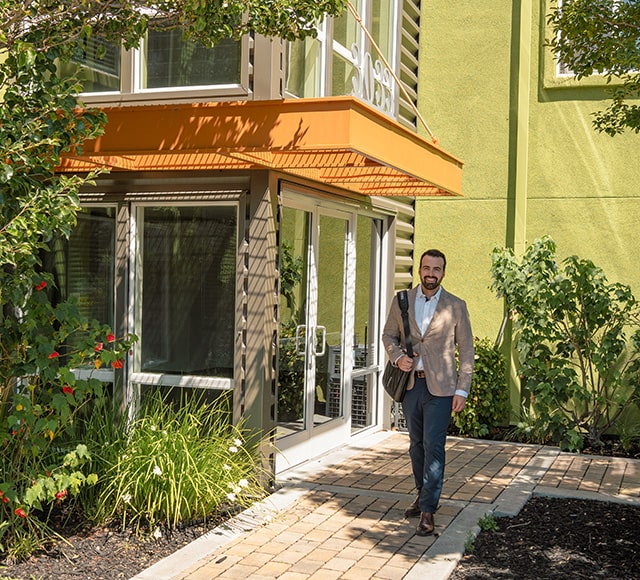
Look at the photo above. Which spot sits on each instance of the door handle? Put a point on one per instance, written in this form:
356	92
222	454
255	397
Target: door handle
300	340
323	334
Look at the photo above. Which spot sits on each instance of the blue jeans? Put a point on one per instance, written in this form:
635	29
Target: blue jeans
427	418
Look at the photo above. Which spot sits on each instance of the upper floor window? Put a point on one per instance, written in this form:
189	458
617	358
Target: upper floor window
168	60
607	46
343	60
165	62
97	64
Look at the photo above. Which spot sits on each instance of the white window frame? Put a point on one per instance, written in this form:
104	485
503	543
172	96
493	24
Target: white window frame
135	303
130	91
360	57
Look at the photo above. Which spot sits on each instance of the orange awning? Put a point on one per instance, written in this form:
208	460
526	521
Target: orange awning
338	141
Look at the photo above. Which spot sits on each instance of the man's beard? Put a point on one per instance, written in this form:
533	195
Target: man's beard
430	283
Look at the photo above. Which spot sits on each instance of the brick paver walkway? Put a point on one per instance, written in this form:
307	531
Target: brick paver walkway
345	518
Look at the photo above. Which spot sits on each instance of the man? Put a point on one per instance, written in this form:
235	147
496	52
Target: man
439	323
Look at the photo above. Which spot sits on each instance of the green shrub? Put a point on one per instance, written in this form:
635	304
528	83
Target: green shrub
488	523
177	464
628	429
487	404
578	341
42	463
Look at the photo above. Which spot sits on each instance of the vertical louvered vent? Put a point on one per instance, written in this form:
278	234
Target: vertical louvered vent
409	61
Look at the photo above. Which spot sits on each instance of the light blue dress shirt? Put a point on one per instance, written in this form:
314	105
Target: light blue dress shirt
425	309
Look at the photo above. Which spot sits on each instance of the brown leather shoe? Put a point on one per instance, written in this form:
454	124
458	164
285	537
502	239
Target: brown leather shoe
426	525
413	511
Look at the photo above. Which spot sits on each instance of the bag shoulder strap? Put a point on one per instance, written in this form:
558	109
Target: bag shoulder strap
403	301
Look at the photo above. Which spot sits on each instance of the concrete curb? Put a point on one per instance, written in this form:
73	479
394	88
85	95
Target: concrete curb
443	556
586	495
511	501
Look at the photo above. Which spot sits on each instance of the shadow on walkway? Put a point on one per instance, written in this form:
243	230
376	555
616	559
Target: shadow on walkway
342	516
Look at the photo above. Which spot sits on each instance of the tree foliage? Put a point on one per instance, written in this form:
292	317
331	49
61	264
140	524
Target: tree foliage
578	341
603	37
40	119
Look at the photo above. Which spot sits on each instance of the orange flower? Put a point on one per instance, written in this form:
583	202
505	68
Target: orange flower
117	364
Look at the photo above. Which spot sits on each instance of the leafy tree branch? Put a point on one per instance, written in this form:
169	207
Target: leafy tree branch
602	37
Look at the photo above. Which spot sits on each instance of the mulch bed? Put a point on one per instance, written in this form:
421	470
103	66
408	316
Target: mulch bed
103	553
558	538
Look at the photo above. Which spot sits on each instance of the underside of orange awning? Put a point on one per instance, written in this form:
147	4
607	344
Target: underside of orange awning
337	141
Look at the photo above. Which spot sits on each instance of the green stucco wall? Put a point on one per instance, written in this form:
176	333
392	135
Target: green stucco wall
533	163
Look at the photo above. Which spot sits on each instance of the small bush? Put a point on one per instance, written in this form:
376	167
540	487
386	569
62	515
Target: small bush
180	463
488	523
578	341
43	462
487	404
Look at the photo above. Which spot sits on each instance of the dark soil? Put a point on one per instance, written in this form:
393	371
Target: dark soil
102	553
558	538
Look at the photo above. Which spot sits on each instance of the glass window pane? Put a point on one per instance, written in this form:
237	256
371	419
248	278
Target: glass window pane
293	302
83	265
367	268
303	70
343	73
169	60
382	26
363	387
97	64
331	266
346	30
188	290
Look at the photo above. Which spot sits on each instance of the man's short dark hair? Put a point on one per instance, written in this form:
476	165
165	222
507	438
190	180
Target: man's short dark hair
435	254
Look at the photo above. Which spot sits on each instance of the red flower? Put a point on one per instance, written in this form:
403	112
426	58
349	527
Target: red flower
99	347
41	286
5	499
111	338
117	364
67	390
54	354
61	494
20	512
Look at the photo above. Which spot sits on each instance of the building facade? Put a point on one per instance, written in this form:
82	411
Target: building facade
534	165
257	218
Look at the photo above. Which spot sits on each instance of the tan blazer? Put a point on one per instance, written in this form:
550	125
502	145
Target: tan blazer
450	327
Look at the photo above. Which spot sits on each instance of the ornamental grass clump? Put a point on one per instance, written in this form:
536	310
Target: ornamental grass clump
181	463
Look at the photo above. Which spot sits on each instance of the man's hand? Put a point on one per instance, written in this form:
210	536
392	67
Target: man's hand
458	403
405	363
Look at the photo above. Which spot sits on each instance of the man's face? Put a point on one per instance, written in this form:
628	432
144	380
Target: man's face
431	273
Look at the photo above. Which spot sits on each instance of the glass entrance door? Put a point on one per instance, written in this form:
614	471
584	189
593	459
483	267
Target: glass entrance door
314	257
